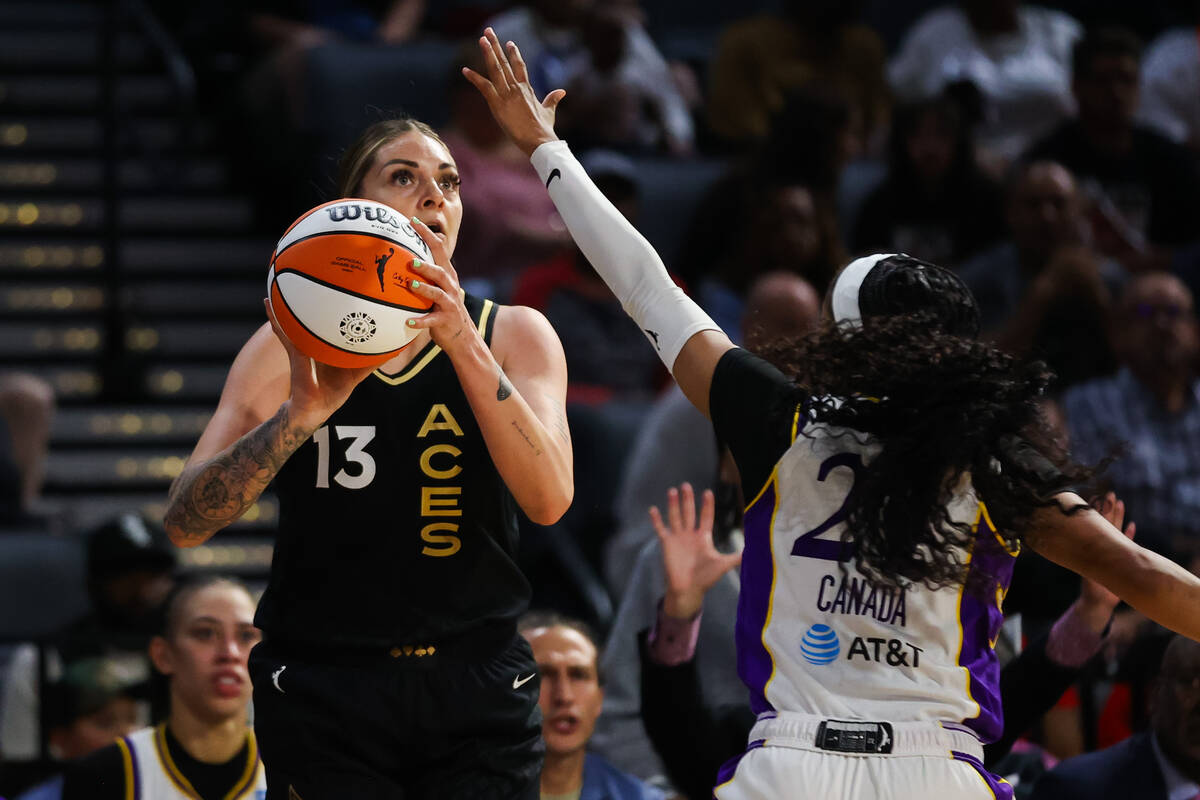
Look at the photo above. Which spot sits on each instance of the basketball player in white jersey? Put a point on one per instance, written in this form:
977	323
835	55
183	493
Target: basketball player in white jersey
893	474
205	750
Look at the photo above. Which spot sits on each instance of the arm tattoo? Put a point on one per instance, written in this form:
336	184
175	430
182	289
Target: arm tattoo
219	491
505	389
560	420
537	451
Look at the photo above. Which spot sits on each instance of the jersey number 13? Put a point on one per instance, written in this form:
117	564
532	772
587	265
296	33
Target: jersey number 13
359	436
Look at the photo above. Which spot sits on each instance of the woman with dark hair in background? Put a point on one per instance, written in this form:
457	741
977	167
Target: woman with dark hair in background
391	665
895	470
205	748
935	203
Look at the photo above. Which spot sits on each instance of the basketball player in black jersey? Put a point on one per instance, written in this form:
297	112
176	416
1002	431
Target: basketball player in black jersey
390	666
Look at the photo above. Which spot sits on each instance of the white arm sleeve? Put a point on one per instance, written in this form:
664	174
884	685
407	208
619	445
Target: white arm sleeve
621	255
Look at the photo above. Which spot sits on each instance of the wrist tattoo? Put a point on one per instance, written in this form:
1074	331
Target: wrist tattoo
505	389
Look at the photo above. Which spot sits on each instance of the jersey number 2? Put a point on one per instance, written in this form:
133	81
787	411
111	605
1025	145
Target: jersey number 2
355	454
807	545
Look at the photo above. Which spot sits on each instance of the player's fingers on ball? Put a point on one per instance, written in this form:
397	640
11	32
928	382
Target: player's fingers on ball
270	314
437	247
432	275
431	292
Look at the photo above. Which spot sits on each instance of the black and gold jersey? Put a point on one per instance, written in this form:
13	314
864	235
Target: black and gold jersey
394	525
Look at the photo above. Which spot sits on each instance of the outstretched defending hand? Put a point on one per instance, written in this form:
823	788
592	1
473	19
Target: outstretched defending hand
691	562
510	97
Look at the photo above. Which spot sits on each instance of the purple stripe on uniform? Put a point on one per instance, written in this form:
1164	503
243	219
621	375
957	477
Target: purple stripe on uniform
725	773
1001	789
981	618
137	776
754	600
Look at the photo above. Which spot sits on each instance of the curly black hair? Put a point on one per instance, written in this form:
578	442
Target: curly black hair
941	405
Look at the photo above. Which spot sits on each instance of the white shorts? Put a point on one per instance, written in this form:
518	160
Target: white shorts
919	761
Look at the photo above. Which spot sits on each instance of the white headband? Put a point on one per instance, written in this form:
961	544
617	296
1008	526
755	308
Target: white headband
845	288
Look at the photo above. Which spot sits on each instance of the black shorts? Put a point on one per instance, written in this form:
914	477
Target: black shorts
370	725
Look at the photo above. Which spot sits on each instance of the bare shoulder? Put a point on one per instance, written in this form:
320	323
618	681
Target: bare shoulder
521	328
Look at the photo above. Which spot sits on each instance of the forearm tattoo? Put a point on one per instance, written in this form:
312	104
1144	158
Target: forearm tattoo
220	490
560	421
505	389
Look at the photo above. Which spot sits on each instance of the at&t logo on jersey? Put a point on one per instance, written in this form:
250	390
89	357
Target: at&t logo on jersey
820	645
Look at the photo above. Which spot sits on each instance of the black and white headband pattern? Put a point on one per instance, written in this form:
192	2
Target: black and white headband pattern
847	286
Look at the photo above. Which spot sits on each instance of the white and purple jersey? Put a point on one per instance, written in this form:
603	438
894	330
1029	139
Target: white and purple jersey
152	774
813	634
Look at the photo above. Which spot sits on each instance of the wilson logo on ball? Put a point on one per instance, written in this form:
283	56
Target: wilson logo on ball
339	283
357	327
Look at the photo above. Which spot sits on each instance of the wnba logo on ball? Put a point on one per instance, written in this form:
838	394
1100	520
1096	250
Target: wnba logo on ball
357	327
820	645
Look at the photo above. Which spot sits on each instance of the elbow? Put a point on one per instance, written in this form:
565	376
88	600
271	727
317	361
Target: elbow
180	537
550	508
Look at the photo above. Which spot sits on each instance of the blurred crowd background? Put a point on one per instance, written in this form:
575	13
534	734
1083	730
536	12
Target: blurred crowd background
151	153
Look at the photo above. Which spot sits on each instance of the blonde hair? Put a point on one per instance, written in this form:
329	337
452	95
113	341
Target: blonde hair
354	163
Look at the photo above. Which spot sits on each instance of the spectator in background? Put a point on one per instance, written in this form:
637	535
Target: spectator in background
603	55
1018	57
291	24
762	60
809	144
205	744
1044	292
935	203
619	98
130	567
1171	83
510	222
26	412
1143	189
548	33
786	226
1152	407
93	703
1161	764
571	698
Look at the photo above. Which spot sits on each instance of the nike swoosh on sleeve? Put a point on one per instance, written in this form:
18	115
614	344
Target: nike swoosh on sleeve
554	173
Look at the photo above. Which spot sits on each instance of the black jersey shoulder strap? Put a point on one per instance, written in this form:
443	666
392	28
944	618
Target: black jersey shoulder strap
482	311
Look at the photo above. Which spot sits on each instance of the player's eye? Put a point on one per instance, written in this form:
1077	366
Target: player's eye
203	634
450	183
402	177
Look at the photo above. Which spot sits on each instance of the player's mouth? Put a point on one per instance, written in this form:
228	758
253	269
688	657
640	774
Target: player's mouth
228	684
565	724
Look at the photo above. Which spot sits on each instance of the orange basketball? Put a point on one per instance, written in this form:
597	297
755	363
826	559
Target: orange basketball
338	282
